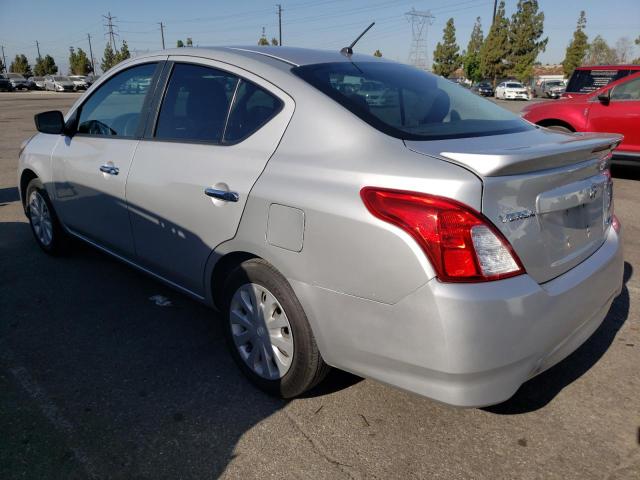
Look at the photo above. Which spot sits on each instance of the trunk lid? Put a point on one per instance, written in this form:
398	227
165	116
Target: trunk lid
549	193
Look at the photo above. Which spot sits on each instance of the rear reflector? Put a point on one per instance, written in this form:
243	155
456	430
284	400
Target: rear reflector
461	243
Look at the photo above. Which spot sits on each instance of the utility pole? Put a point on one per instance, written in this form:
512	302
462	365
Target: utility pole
4	60
109	25
280	23
162	34
38	47
93	65
495	6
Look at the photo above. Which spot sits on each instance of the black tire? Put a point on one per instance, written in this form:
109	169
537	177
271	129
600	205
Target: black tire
307	367
60	241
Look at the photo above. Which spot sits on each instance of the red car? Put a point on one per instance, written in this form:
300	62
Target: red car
614	108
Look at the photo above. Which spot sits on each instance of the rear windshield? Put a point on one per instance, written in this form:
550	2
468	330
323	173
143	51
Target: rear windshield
408	103
586	81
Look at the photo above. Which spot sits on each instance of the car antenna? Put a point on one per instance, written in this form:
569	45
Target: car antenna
349	50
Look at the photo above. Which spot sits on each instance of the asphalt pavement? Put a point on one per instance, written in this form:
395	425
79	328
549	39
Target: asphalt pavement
97	381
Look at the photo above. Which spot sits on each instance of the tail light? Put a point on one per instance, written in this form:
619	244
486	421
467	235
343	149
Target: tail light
461	243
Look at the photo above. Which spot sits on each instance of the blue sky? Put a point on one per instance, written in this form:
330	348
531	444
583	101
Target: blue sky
327	24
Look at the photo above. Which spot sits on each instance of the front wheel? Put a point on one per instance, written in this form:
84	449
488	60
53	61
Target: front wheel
46	229
268	332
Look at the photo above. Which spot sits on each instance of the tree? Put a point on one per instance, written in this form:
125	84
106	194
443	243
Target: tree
577	49
600	53
21	65
79	63
377	53
45	66
525	39
108	58
471	59
263	41
2	67
496	47
180	44
124	53
446	57
624	47
189	42
274	42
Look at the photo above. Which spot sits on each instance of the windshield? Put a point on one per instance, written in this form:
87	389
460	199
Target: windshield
61	79
514	85
413	105
586	81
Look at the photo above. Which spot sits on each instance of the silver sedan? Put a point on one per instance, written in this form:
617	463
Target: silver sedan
434	241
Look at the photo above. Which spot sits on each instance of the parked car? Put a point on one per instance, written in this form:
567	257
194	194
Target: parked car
612	108
59	83
18	82
386	242
5	84
483	88
37	82
374	93
511	91
587	79
549	89
79	82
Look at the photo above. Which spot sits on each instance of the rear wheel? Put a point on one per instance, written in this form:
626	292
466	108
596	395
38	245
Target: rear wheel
268	332
559	128
47	231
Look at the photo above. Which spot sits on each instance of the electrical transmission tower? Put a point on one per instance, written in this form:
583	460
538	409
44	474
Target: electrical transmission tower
420	21
109	25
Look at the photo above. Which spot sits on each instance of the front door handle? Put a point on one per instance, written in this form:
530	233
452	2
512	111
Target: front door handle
110	169
222	194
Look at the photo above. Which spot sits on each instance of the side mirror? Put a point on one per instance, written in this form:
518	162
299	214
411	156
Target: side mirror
605	97
50	122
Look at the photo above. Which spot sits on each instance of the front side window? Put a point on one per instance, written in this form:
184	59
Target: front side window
408	103
627	91
196	104
114	109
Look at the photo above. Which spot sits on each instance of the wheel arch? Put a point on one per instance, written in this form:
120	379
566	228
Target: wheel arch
25	177
221	270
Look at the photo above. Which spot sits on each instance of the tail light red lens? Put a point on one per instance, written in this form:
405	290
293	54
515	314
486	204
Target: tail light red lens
461	243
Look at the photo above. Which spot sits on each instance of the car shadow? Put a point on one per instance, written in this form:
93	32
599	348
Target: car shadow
542	389
145	391
9	194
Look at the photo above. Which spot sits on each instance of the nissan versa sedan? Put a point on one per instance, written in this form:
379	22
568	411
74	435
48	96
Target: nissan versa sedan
435	242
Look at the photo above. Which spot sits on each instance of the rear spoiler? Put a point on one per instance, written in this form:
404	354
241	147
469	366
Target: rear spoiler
577	147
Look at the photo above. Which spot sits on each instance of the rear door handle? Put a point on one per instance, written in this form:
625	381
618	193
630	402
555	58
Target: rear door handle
110	169
222	194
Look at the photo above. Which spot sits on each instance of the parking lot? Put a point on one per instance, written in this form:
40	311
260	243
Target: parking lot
97	381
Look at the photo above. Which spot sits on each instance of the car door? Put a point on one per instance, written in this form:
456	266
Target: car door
620	115
90	168
215	130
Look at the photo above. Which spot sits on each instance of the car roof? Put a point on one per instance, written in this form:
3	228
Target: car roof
609	67
291	56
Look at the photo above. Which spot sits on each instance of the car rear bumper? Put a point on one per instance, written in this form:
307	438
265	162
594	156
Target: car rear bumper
467	344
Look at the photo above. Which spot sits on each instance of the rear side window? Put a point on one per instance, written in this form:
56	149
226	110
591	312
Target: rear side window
408	103
253	107
114	109
196	104
586	81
